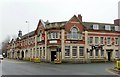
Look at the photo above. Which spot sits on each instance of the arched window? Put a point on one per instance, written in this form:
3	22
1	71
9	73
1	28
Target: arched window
74	33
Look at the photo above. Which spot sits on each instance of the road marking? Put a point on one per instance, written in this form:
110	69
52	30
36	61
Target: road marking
108	70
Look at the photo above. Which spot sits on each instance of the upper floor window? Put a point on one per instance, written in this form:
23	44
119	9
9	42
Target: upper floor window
101	40
116	28
74	34
53	35
91	40
107	27
95	26
116	41
40	35
96	40
108	40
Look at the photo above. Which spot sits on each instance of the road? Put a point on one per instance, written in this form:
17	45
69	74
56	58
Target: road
15	67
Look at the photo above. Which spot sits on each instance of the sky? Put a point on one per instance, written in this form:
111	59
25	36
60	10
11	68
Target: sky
15	13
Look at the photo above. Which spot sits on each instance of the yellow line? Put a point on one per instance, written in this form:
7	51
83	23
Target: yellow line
111	72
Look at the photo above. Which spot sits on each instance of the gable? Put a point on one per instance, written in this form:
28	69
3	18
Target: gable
74	22
41	26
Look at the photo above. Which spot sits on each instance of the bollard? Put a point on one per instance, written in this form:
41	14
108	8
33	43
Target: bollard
118	65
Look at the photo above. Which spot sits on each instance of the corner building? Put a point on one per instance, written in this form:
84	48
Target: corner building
71	41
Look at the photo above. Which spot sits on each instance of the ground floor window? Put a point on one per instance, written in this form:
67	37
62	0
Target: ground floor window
67	50
44	52
91	53
81	51
97	52
102	52
74	51
37	54
40	52
117	53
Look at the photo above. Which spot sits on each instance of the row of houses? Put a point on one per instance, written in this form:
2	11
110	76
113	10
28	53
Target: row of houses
68	41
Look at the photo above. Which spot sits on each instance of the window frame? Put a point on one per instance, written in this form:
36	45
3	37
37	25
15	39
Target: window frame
73	50
67	51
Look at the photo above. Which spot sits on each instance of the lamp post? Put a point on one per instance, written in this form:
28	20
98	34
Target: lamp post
28	37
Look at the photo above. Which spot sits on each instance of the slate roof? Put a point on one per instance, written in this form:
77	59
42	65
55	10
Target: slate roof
26	35
89	25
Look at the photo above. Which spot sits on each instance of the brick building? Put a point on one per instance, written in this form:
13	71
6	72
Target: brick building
68	41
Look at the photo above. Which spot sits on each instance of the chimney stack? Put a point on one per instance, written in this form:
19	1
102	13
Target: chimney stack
80	17
117	22
20	33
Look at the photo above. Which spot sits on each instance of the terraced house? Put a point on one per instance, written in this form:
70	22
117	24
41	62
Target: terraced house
68	41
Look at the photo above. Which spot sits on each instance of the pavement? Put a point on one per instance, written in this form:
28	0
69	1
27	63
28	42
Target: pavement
17	67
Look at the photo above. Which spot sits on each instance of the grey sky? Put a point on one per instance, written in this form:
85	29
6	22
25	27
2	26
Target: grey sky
14	13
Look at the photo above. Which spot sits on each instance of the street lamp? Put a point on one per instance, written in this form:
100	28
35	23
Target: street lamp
28	35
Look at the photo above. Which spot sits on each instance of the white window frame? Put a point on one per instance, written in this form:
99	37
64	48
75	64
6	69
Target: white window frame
116	53
90	40
102	55
96	41
95	26
72	51
116	42
107	27
65	51
101	40
116	28
81	51
54	35
109	42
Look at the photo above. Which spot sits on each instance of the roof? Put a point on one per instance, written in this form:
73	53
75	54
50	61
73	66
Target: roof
28	34
89	25
55	24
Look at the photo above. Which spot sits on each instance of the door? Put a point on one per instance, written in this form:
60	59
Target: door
109	56
53	55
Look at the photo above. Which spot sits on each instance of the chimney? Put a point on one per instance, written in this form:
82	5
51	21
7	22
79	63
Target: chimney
80	17
20	33
117	22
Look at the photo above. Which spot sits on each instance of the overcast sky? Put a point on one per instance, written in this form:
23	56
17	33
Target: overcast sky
14	13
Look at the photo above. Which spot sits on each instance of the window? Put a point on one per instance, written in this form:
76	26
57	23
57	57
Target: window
102	52
97	52
96	40
54	35
95	26
74	33
44	52
40	35
74	51
40	52
116	28
116	41
91	53
101	40
117	53
107	27
108	40
67	50
81	51
91	40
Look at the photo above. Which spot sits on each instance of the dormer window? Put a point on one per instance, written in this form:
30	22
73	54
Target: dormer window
95	26
116	28
107	27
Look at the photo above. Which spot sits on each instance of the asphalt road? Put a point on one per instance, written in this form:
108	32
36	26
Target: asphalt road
14	67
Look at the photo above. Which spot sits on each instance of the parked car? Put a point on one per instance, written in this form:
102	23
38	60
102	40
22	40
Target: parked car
1	57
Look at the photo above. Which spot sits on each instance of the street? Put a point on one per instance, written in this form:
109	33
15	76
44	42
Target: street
15	67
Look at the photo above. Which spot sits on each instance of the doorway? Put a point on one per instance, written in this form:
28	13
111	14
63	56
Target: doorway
53	53
109	56
22	55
